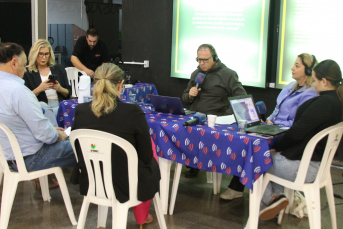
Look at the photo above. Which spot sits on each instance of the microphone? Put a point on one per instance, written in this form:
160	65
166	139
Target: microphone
199	79
198	119
261	109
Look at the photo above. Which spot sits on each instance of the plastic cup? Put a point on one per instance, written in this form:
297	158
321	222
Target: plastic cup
132	98
242	126
211	120
87	99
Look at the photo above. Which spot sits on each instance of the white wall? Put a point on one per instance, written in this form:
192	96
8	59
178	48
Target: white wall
67	12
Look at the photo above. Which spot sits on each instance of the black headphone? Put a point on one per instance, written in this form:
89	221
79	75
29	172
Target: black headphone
308	70
214	56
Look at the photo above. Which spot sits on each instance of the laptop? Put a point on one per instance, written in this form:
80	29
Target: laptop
165	104
244	109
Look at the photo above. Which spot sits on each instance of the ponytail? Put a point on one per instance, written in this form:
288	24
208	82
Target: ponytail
107	76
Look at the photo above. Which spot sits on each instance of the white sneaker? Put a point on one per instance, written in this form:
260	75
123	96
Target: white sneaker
230	194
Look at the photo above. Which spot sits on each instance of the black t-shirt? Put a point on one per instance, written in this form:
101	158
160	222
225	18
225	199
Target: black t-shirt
91	58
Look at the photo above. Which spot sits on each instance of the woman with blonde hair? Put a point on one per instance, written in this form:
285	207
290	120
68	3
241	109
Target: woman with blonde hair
107	113
288	101
42	64
295	93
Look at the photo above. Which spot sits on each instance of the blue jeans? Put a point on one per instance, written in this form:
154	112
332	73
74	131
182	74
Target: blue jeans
286	169
54	155
49	113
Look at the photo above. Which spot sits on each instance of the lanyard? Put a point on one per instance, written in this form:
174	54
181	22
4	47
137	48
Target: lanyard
278	109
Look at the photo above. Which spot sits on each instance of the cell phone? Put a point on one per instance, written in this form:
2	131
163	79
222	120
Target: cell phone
52	78
266	136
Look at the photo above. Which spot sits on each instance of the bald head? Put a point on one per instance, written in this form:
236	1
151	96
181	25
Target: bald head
12	59
8	51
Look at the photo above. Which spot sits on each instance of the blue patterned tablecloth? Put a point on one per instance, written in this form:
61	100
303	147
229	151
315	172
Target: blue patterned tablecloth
220	149
142	90
66	111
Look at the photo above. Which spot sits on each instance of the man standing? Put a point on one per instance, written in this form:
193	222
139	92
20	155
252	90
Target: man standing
89	52
43	146
212	96
220	83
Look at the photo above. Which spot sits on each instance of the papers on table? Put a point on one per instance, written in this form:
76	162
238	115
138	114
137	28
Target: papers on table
228	119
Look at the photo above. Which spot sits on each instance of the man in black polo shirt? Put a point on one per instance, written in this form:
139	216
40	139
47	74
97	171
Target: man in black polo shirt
89	52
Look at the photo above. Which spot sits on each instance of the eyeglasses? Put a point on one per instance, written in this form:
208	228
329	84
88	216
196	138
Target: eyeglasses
41	54
203	60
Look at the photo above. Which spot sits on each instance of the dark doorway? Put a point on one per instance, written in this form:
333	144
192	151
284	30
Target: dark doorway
15	26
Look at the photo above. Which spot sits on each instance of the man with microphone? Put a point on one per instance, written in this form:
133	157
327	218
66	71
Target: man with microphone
210	94
220	83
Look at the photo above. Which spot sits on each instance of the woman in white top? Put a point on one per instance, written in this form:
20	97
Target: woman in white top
42	64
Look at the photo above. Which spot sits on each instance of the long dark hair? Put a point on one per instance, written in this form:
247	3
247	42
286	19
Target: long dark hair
331	71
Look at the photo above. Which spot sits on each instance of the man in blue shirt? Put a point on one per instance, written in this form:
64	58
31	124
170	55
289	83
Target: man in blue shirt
42	145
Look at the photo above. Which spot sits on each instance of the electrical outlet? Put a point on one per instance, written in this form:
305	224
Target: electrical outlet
272	85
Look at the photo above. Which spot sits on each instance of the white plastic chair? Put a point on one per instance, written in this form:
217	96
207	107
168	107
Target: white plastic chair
1	172
323	179
72	74
12	178
43	184
100	189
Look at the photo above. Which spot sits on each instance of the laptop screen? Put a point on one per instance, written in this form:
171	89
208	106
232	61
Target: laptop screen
244	109
167	104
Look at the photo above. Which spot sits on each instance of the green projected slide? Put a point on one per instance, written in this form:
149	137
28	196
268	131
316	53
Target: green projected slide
309	26
237	29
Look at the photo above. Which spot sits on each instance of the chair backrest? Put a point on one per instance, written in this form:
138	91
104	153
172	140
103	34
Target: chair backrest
73	78
334	134
96	149
15	149
60	49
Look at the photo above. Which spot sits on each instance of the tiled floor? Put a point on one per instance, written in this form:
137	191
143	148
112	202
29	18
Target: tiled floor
195	207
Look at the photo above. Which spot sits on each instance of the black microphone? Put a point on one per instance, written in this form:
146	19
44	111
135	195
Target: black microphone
198	119
199	80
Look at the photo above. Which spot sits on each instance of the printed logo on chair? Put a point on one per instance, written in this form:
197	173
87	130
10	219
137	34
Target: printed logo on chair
93	150
336	139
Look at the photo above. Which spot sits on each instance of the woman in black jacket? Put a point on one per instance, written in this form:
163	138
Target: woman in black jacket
107	113
312	117
41	65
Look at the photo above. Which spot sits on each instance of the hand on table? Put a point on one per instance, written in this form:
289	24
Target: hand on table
269	122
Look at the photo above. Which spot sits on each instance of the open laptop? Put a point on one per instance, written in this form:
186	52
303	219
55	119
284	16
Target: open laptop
165	104
244	109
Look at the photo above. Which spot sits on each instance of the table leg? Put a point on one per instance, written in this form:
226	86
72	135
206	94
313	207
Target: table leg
176	181
215	186
217	181
254	204
164	182
209	177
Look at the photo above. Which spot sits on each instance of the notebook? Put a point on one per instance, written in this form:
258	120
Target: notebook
165	104
244	109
